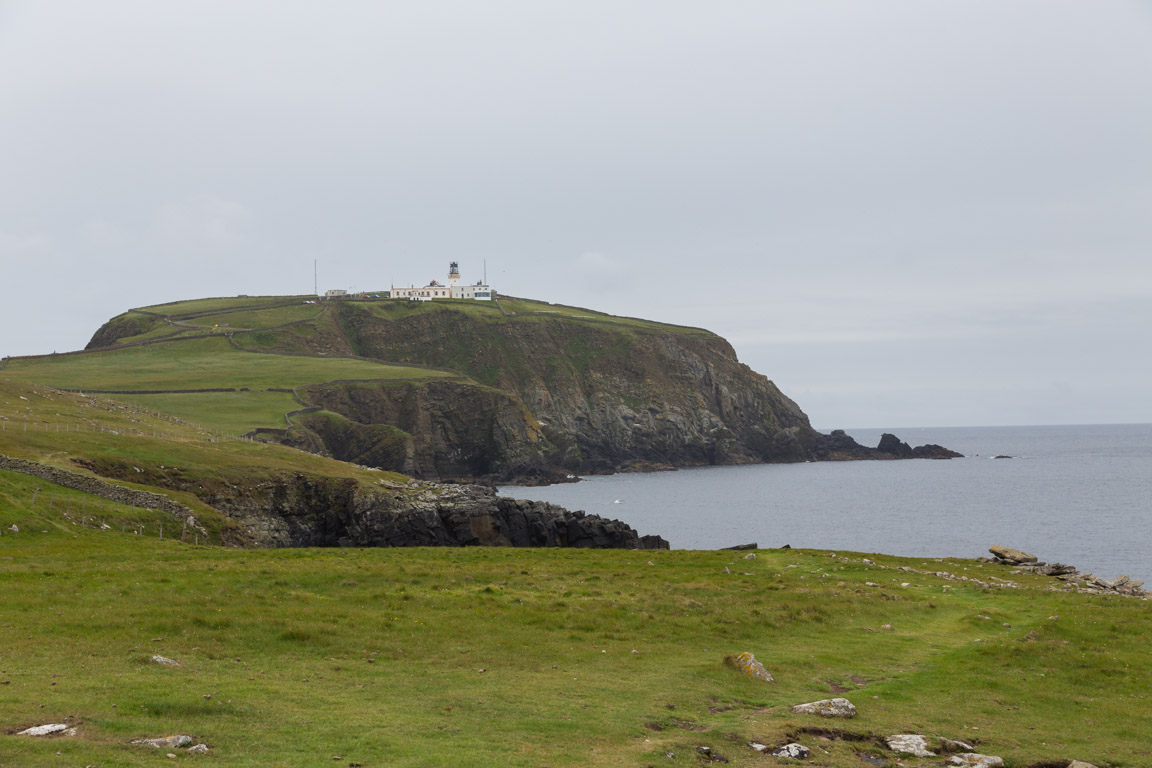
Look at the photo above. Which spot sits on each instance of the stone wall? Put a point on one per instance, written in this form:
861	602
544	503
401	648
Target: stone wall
116	493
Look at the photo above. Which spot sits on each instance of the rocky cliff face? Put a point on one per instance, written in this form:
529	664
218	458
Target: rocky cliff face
431	429
319	512
607	397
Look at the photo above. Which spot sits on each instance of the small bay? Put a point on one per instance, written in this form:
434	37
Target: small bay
1080	495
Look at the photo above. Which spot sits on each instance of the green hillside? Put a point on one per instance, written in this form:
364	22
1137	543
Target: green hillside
469	656
523	658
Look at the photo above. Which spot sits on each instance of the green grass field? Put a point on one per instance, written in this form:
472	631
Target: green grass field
179	309
195	364
234	412
150	450
480	657
253	319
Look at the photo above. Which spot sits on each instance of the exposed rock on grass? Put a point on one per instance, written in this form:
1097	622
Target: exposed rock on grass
792	751
1012	556
975	760
910	744
166	742
748	664
50	729
837	707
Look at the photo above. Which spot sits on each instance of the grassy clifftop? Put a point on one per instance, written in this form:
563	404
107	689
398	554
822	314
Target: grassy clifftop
480	657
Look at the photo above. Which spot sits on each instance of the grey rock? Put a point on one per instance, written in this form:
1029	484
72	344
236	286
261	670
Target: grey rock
910	744
1056	569
167	742
164	661
837	707
951	746
792	751
975	760
49	729
1080	764
1013	556
198	748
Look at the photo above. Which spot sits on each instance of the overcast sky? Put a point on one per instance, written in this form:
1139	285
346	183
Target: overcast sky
905	213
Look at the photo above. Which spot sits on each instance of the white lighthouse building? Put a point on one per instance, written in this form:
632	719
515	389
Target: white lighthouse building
453	290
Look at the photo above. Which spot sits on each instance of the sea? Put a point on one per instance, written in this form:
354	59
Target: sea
1080	495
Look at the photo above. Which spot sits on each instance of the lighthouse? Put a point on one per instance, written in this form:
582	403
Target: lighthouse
480	290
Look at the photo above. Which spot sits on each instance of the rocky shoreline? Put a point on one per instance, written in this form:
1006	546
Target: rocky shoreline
1023	562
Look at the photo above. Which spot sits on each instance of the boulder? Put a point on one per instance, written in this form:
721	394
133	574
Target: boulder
198	748
827	708
792	751
1080	764
164	661
910	744
749	666
1012	556
975	760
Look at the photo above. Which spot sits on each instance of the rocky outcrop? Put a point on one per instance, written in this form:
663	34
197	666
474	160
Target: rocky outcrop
541	394
310	511
1009	556
605	397
893	446
1024	562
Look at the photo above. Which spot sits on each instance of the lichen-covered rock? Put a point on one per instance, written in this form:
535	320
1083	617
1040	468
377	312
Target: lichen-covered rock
164	661
975	760
910	744
792	751
1080	764
751	667
837	707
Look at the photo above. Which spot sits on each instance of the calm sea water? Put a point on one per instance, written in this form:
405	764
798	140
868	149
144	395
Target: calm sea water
1072	494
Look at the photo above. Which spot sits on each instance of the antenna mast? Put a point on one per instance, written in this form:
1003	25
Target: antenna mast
315	282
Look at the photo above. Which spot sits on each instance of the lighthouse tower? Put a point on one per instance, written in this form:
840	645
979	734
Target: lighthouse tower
453	275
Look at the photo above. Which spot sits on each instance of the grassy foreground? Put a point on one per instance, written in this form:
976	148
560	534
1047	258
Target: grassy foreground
481	657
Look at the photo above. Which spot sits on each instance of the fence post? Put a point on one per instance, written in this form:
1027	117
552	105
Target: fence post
34	495
50	502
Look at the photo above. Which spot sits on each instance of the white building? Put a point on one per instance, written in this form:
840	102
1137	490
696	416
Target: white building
453	290
335	293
